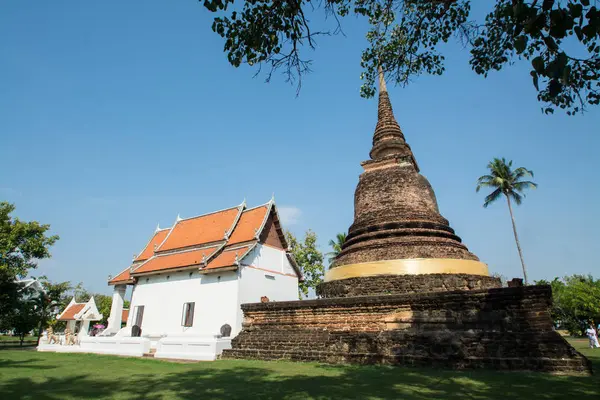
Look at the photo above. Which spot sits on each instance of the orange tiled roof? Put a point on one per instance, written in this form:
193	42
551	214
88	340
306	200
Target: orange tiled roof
176	260
250	221
199	230
156	240
69	313
124	315
227	258
123	277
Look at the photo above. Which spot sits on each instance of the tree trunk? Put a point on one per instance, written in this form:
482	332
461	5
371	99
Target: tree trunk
40	328
512	218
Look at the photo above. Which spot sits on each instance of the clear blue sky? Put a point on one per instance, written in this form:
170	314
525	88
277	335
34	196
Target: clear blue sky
116	116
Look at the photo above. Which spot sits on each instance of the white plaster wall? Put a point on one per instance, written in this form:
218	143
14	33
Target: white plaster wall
264	275
215	295
267	257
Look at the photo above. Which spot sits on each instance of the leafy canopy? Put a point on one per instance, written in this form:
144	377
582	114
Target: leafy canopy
560	39
575	302
505	181
22	244
309	259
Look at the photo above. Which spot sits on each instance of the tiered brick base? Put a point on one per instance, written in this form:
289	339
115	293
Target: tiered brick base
504	328
405	284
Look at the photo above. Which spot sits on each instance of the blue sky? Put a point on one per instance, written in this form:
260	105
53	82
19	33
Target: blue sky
116	116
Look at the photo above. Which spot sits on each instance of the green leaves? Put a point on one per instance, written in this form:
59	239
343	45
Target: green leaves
575	302
505	181
404	37
309	259
560	79
21	243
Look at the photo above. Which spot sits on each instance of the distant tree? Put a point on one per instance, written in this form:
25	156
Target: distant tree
25	316
104	303
508	182
51	303
560	40
575	302
309	259
22	244
336	245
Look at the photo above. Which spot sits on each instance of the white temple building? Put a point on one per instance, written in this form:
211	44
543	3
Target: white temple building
189	281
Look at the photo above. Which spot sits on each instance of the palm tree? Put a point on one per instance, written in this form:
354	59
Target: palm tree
336	245
508	182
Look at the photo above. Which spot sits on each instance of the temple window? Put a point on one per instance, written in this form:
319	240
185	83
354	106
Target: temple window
187	318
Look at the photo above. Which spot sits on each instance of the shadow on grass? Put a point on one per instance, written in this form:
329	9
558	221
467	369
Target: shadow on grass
242	379
8	363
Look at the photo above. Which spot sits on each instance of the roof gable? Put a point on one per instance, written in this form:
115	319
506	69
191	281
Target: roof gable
80	311
200	230
70	312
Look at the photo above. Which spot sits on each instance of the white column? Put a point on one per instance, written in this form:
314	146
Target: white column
116	309
84	327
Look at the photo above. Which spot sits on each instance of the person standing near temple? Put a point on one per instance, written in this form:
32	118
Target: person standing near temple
592	336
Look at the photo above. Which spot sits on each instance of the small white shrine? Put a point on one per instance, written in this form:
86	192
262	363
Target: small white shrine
78	317
189	282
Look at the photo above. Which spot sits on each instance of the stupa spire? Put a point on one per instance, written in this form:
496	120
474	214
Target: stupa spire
388	139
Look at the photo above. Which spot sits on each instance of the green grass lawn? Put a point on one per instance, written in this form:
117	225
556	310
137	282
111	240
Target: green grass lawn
26	374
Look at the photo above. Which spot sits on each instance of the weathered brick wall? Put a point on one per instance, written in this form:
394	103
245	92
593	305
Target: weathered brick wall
405	284
507	328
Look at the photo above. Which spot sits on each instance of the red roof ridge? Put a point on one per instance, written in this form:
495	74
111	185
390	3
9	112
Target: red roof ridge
112	278
236	263
156	231
181	251
243	204
240	245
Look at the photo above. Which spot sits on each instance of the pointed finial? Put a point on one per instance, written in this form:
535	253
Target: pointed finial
382	86
272	198
157	227
179	217
243	202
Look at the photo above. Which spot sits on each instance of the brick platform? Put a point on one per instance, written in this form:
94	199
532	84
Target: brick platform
503	328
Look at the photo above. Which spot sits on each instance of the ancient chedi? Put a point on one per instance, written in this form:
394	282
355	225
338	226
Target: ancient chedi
398	232
405	290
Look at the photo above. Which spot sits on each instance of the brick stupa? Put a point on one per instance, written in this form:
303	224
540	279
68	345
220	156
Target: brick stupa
399	242
405	290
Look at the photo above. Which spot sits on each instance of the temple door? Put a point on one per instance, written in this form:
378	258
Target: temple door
137	322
